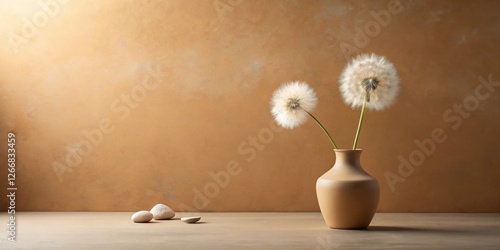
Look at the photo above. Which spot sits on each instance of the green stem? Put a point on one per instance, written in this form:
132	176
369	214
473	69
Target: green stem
360	123
323	128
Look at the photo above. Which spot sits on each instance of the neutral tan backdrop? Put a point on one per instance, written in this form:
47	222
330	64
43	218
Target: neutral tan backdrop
118	105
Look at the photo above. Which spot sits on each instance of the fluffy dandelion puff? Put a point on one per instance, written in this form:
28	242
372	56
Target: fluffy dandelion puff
370	76
291	103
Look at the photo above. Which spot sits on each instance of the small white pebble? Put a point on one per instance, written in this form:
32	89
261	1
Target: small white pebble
191	219
162	212
142	216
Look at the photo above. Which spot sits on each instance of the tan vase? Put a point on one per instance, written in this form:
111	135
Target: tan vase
347	195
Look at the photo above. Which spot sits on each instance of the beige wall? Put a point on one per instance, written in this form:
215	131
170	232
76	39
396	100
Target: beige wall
119	105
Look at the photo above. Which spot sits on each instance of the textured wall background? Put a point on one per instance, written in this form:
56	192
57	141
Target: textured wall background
119	105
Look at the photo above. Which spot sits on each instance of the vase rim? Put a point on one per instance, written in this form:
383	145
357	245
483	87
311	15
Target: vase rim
346	149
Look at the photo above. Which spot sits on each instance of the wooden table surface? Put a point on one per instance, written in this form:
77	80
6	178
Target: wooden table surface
115	230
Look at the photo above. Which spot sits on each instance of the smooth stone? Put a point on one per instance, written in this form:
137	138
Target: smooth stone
142	216
162	212
191	219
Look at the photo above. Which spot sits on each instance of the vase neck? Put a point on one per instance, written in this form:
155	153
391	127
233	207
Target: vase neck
348	157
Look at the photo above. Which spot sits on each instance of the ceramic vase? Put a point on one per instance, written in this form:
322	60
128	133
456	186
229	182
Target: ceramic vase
347	195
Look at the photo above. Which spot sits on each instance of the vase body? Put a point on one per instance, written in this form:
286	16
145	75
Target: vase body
347	195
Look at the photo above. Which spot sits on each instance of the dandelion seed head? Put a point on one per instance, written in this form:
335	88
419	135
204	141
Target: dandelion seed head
370	76
291	102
